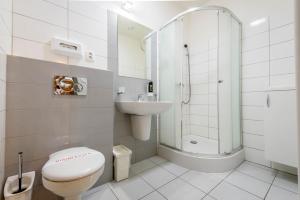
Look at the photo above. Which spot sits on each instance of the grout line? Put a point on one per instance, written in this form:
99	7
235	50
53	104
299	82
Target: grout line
244	132
244	190
111	189
249	119
271	185
161	194
74	11
281	42
57	5
37	19
224	180
254	49
63	27
250	92
254	177
257	77
192	185
253	35
254	148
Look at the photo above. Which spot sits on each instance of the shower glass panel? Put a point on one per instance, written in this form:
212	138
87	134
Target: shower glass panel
169	79
199	71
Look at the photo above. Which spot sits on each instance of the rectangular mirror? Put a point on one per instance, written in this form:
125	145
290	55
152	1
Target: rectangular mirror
134	49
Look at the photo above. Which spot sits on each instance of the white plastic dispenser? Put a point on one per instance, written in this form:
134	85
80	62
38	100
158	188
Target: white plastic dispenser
66	47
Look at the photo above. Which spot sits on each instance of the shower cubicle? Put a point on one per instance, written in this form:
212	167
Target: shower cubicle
199	68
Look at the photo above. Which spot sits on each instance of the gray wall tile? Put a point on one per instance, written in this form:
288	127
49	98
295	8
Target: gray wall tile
40	123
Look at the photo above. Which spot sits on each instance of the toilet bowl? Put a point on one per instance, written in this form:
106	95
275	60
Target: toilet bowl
70	172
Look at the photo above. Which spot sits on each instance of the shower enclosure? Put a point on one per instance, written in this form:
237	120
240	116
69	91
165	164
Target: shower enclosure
199	71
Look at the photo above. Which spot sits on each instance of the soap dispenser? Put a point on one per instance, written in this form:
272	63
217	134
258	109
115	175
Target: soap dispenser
150	95
150	87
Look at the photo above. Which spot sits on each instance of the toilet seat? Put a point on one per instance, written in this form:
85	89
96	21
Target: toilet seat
73	163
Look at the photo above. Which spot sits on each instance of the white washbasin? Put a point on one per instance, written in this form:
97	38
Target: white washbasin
141	113
143	107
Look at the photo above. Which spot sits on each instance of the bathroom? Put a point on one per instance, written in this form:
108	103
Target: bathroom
168	99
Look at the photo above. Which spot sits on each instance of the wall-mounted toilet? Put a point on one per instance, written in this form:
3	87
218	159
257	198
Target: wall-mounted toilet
70	172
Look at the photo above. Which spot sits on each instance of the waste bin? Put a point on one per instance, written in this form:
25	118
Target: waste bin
122	157
11	187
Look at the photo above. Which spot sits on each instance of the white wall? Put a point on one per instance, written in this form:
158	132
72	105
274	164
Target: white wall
268	60
35	22
5	48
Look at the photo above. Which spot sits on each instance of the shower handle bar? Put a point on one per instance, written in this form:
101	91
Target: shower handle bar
189	74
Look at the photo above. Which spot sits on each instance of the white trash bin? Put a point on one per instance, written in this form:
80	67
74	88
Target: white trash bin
122	158
12	183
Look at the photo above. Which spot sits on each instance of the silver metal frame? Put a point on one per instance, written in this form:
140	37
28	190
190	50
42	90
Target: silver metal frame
200	9
180	15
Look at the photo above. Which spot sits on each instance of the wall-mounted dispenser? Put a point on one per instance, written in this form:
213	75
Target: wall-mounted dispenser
66	47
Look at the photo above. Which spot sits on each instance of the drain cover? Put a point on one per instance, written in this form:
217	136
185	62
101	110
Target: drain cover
193	142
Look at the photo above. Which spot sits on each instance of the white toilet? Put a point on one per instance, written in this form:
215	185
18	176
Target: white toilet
70	172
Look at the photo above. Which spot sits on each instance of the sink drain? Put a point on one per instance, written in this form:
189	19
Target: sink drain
193	142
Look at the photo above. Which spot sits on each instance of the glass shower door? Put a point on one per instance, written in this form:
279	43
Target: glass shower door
229	84
169	84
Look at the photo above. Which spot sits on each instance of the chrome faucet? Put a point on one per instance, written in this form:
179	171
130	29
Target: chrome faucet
141	97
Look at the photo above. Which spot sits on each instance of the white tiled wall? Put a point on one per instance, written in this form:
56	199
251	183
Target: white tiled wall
200	117
35	22
5	48
268	60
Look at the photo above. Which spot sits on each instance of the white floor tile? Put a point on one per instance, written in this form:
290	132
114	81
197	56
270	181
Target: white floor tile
286	181
173	168
153	196
141	166
226	191
258	171
157	176
157	159
249	184
179	189
101	193
202	180
277	193
209	198
131	189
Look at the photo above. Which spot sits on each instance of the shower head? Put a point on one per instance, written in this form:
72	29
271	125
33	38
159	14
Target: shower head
185	45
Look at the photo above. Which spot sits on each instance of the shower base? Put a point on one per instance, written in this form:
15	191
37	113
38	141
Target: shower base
205	163
198	144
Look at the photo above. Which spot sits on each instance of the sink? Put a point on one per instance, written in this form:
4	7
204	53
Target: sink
141	113
143	107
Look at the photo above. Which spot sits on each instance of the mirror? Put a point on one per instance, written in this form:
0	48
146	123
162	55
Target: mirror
134	49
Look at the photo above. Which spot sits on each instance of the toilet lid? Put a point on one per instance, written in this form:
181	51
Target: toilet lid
72	163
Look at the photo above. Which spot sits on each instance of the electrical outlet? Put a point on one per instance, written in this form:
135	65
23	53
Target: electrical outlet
90	56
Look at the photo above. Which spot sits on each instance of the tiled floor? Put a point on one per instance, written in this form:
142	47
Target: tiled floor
158	179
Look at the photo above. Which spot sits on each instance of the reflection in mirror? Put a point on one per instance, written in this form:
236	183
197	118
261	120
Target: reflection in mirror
134	49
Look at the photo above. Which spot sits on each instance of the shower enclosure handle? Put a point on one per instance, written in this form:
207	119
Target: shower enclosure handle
268	100
220	81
